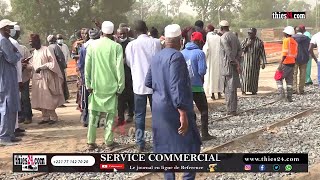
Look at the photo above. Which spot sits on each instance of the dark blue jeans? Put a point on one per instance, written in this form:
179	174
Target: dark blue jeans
26	111
140	103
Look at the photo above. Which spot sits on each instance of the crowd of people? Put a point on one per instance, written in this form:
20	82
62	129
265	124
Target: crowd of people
123	70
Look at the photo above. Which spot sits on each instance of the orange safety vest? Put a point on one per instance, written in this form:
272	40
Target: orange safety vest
290	50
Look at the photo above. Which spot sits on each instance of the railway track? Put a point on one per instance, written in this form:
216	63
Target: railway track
232	142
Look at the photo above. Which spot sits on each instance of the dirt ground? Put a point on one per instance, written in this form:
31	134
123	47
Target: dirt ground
69	136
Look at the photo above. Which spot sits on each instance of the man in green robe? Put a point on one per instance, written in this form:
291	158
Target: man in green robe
104	77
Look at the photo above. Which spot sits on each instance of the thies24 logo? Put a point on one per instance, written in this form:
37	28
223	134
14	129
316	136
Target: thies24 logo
30	162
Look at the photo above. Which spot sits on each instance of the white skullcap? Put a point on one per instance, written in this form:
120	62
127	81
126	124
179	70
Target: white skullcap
172	31
224	23
17	27
49	38
6	22
107	27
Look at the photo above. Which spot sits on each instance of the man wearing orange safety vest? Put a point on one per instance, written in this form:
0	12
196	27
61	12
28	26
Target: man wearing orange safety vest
289	54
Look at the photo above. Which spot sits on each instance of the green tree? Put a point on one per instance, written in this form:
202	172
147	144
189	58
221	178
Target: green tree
257	13
43	17
158	21
202	7
299	5
64	16
212	10
174	7
184	20
3	9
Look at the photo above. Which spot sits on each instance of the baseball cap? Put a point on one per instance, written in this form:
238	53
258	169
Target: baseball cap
197	36
6	22
224	23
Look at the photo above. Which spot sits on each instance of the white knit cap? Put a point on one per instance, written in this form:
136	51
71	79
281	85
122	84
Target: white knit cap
17	27
224	23
107	27
172	31
6	22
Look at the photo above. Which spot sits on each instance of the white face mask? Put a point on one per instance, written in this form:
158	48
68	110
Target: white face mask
12	32
60	41
122	40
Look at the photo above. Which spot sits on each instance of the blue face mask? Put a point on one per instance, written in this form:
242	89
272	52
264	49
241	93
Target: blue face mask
12	32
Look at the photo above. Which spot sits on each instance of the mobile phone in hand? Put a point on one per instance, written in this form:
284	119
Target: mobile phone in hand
27	59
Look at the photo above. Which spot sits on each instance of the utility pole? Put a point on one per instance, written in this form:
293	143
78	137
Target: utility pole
141	9
219	18
317	14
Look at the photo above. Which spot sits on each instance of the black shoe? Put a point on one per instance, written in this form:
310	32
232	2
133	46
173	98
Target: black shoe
15	139
21	120
19	134
85	125
43	122
254	93
212	97
208	137
20	130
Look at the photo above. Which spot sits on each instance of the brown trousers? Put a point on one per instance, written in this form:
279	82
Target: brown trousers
301	68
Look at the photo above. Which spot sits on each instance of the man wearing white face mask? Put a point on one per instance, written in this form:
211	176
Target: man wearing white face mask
126	99
13	32
63	47
65	50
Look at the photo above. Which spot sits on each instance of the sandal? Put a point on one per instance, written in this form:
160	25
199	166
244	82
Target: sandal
92	147
52	122
111	146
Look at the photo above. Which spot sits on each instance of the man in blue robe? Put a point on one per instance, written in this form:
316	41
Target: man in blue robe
9	88
173	124
84	94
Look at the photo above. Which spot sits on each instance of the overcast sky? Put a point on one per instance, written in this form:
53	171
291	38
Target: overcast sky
187	9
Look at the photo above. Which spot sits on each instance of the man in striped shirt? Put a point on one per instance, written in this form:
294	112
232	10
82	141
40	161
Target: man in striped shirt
253	55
